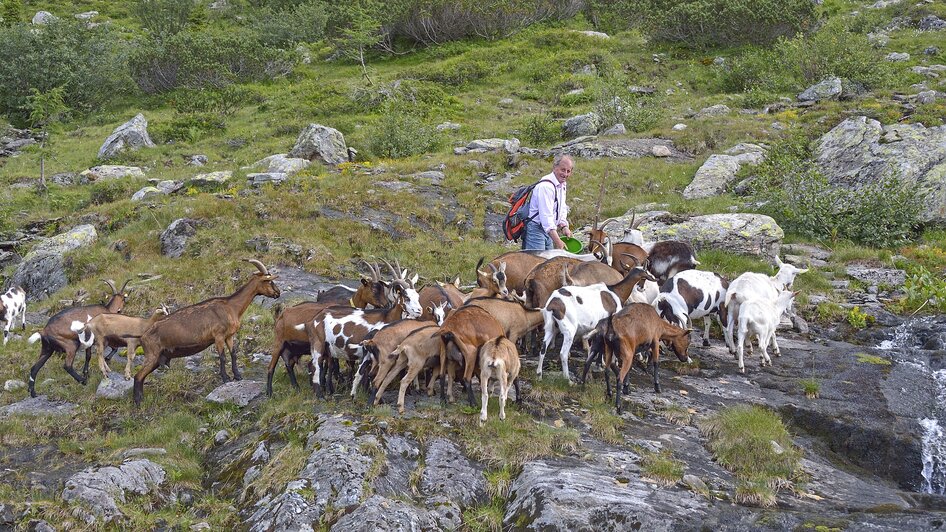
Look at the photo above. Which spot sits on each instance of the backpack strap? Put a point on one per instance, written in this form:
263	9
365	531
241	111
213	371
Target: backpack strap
553	195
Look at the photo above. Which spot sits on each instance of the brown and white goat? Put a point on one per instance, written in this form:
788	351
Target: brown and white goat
446	297
379	344
290	343
417	351
633	327
189	330
498	358
12	306
57	337
461	336
506	272
115	331
669	257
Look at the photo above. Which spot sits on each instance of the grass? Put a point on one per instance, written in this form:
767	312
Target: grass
864	358
661	468
515	441
676	414
751	442
810	387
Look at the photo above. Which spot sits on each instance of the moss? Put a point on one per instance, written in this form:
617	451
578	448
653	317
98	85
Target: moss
864	358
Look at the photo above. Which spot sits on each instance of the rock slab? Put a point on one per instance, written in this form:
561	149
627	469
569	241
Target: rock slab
43	270
719	170
116	386
38	406
101	488
239	393
131	135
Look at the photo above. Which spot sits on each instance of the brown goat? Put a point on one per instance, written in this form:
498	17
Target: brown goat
507	272
498	358
635	326
544	279
589	273
433	295
417	350
380	343
465	330
58	337
190	330
115	331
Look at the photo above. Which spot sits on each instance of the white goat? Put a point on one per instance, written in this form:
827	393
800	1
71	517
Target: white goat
12	304
749	286
759	318
690	295
498	358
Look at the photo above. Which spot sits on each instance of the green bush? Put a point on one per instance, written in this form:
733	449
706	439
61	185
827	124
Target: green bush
756	98
709	23
88	63
925	289
290	25
208	58
402	132
163	19
456	71
615	104
542	130
188	127
221	102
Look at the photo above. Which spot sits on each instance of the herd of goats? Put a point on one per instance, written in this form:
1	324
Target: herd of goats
623	299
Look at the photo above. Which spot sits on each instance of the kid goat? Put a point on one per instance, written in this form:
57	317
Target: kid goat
759	318
115	330
12	305
190	330
498	358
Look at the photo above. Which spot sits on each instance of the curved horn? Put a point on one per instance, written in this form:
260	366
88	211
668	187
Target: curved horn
111	284
633	217
480	263
637	223
122	291
637	261
259	266
606	222
374	274
397	272
492	267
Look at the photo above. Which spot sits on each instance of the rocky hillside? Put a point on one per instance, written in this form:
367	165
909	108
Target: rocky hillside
312	153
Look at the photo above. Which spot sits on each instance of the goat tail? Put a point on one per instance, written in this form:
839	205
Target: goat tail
35	338
277	310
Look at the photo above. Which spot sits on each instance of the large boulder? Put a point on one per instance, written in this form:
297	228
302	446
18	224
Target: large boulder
280	163
129	136
824	90
581	125
861	151
318	142
43	270
591	147
42	18
742	233
110	171
174	238
509	146
99	489
239	393
720	170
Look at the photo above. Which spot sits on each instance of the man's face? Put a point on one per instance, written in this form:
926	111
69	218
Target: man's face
563	170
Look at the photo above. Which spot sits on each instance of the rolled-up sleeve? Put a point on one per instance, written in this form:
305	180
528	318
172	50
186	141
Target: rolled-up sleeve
544	197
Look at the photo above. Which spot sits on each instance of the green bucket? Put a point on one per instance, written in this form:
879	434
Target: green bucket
572	245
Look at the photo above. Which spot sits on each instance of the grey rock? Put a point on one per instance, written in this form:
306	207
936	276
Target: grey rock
39	525
878	39
88	15
595	34
318	142
174	238
280	164
880	4
926	97
799	324
147	192
447	472
221	436
168	186
448	126
932	71
807	250
12	385
212	178
635	89
572	495
661	151
695	483
259	179
239	393
63	178
131	135
506	102
861	151
931	23
101	488
713	110
614	131
581	125
43	271
110	171
679	127
6	514
116	386
197	160
507	145
824	90
897	56
590	147
931	50
433	176
877	276
386	515
719	171
143	451
41	18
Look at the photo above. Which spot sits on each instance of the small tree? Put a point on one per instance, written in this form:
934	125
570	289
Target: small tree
361	31
46	109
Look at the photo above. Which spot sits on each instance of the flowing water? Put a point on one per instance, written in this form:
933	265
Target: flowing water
911	339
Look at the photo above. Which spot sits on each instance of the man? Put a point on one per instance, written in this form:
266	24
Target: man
548	213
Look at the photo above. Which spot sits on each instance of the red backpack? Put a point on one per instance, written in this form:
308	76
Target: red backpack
514	223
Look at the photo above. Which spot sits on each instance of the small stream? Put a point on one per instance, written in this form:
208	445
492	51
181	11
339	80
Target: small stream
920	342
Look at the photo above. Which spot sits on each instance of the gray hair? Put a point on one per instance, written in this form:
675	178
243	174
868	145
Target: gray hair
561	157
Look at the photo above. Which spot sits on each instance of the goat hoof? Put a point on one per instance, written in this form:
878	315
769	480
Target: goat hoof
706	343
238	377
742	370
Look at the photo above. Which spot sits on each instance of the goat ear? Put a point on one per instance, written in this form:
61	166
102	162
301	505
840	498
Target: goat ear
365	281
502	266
456	282
481	273
414	279
778	261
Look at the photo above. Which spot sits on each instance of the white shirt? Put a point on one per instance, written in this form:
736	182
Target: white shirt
543	208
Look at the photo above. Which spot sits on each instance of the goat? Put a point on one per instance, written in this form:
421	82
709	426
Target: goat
633	327
57	337
575	310
465	330
669	257
690	295
379	343
506	272
115	331
759	318
545	279
498	358
751	285
190	330
437	300
12	305
414	352
589	273
598	240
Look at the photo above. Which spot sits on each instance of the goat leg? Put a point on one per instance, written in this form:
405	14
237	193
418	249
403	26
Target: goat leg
291	370
231	345
44	355
221	359
655	359
149	365
67	365
515	384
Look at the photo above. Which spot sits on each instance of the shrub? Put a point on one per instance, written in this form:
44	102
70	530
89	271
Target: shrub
756	98
924	289
163	18
206	59
188	127
810	387
616	105
542	129
456	71
710	23
402	132
859	319
290	25
89	64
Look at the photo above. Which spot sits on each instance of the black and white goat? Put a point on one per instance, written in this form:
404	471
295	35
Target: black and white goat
750	286
690	295
12	305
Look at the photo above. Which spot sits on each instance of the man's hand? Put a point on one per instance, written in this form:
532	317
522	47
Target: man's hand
566	230
556	240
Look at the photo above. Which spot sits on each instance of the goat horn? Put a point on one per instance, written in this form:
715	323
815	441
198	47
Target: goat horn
637	262
259	266
637	223
633	217
606	222
396	273
374	276
122	291
402	273
111	284
492	267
